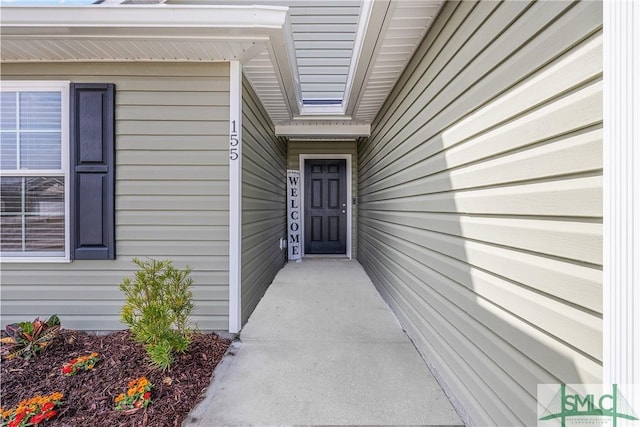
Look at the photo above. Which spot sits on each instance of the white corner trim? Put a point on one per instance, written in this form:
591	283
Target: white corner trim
347	157
621	224
235	196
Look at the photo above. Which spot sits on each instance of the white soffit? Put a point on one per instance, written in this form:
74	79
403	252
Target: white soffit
258	36
406	25
291	50
264	80
45	49
323	34
122	33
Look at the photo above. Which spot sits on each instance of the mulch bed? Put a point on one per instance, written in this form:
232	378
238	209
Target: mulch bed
88	396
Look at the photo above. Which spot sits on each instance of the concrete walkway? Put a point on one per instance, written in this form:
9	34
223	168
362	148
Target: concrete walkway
322	348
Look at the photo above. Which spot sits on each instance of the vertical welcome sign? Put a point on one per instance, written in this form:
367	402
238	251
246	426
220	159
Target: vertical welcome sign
293	215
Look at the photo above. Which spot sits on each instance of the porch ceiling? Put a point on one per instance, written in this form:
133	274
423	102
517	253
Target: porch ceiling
320	67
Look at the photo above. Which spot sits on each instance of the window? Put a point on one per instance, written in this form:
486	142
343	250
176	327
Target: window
34	170
57	171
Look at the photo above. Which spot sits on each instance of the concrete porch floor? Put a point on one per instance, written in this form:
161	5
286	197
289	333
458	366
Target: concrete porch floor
323	348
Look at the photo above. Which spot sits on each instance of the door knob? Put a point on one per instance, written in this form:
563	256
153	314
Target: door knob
344	211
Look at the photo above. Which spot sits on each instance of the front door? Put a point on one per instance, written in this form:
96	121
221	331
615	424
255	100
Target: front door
325	210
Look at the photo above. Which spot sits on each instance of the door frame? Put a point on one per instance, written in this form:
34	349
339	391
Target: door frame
347	157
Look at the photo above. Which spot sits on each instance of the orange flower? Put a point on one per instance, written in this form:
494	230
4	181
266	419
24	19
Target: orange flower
6	413
32	411
119	397
140	382
56	396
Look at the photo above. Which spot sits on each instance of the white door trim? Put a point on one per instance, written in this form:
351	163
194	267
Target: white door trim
347	157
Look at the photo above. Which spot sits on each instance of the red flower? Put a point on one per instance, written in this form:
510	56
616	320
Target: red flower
147	395
19	416
138	403
50	414
14	423
48	406
37	419
67	369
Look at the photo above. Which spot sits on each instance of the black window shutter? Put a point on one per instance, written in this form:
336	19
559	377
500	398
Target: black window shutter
92	149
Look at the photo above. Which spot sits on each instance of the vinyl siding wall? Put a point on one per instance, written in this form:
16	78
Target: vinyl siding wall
480	202
264	205
171	194
296	148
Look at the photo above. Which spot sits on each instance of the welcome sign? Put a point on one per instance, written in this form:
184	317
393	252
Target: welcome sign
293	215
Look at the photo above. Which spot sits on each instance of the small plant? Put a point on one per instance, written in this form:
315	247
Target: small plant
157	308
31	412
26	339
138	395
82	363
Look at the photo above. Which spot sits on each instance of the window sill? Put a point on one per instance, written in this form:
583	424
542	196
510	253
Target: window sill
32	260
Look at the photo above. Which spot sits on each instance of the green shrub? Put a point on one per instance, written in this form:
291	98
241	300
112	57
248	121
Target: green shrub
157	309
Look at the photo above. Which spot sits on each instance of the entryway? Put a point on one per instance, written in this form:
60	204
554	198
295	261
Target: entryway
323	348
326	203
325	210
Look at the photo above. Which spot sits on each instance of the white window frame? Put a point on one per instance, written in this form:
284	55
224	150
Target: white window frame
63	88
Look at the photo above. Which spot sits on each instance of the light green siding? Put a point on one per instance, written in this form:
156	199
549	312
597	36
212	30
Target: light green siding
264	206
296	148
171	194
480	202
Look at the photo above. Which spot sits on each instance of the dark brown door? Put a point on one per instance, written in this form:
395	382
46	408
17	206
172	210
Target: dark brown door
325	219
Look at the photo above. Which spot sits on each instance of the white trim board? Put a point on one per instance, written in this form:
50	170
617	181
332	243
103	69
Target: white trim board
621	194
235	196
346	157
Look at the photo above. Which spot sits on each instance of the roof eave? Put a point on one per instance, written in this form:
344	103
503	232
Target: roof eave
29	20
266	27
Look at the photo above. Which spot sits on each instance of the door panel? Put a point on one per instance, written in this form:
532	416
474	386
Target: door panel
325	207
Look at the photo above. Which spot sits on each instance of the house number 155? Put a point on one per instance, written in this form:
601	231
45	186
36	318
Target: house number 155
233	142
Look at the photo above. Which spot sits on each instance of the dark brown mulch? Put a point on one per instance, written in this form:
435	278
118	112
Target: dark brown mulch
88	396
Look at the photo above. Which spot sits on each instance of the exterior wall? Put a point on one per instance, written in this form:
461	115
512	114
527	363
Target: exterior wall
331	147
480	215
171	194
264	204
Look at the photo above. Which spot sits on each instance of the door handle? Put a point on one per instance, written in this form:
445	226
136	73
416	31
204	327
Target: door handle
344	211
